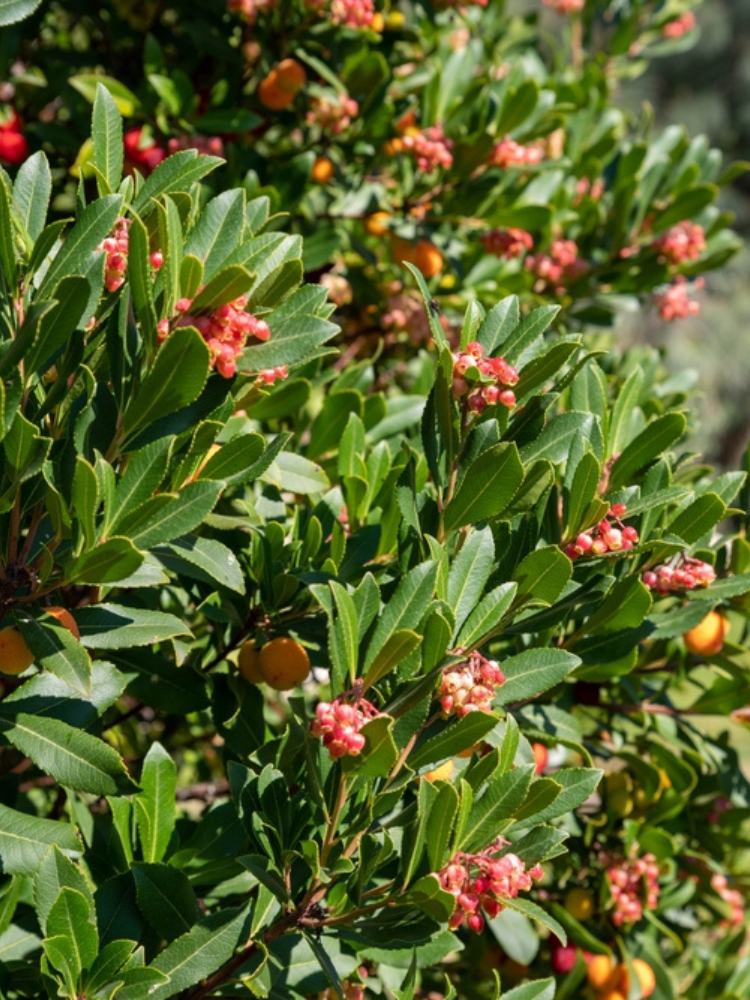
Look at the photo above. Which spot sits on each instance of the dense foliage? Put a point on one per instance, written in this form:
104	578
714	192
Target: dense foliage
374	651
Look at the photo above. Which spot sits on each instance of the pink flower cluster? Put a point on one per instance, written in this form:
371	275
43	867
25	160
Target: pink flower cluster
606	536
507	243
675	302
490	382
338	724
687	574
142	151
116	249
207	145
405	312
586	188
684	242
509	153
565	6
481	882
333	116
249	9
225	331
558	267
353	13
679	26
732	897
470	686
271	375
430	147
634	886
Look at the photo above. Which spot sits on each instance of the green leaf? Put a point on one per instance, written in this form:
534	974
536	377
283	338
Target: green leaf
380	752
543	574
72	918
405	609
144	473
487	615
31	194
106	135
578	784
155	805
499	323
397	648
113	560
493	811
74	257
234	458
653	440
12	11
456	736
205	559
440	825
515	935
582	491
698	518
343	635
161	393
72	757
431	898
535	670
55	873
540	989
25	840
165	898
469	572
487	487
622	411
177	173
557	437
114	626
87	83
296	473
57	651
195	955
218	230
182	514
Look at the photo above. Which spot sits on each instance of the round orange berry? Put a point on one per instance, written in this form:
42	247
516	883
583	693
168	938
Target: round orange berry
322	170
248	663
66	620
15	655
284	663
707	638
603	973
377	223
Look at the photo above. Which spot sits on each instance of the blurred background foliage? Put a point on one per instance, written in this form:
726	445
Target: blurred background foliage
706	89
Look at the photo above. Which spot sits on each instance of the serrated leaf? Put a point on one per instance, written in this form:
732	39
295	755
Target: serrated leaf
487	487
106	135
535	670
71	756
155	804
115	626
25	839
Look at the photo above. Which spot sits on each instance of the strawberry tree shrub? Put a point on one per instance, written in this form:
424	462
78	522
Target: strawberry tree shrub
320	684
481	142
334	668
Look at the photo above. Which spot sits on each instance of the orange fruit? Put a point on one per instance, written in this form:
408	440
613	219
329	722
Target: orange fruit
15	655
428	258
66	620
248	663
603	973
292	76
377	223
541	757
442	773
645	976
278	90
611	995
579	903
707	638
322	170
284	663
378	22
